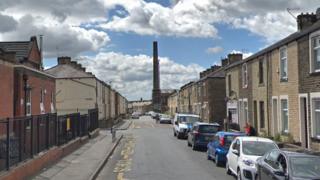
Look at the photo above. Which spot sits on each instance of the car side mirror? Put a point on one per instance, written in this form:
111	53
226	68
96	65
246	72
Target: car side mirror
236	152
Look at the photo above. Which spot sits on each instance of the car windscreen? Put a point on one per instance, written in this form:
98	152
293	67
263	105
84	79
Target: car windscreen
208	129
257	148
188	119
307	167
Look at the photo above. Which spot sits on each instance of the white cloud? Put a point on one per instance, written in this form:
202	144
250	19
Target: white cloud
194	18
214	50
244	54
61	22
132	75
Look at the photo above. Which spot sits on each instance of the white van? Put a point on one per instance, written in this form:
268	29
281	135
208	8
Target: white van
182	123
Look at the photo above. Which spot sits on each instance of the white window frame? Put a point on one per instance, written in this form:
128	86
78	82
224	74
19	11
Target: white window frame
311	48
280	64
52	103
273	120
29	104
244	75
284	97
42	108
245	109
314	95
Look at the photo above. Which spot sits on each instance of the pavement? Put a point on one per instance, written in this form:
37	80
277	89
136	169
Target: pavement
84	163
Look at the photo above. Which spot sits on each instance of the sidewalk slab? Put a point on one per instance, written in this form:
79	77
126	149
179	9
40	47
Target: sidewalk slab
81	163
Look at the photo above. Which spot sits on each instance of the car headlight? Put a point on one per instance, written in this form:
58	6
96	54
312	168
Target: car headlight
248	162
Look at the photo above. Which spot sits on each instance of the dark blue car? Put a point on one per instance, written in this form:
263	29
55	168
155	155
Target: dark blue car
218	148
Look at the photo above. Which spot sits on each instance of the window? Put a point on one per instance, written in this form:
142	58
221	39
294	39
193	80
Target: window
261	75
316	117
41	101
28	103
244	75
284	116
315	54
52	103
283	64
262	122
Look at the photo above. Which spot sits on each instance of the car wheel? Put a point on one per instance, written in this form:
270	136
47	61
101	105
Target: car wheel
189	144
228	169
208	155
238	175
174	133
178	136
217	161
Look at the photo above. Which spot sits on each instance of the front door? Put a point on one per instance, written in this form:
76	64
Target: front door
304	122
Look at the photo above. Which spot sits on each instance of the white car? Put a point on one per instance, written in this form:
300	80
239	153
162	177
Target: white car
165	119
243	154
182	124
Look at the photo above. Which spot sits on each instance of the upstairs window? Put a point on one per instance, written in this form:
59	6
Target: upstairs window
261	74
229	84
41	101
315	54
283	64
244	75
28	103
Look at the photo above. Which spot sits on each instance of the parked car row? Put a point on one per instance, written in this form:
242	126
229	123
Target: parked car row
246	158
161	118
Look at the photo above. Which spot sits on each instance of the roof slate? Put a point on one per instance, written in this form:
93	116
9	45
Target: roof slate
67	71
21	48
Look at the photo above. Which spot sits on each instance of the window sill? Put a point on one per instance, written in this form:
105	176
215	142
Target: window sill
315	139
315	73
284	80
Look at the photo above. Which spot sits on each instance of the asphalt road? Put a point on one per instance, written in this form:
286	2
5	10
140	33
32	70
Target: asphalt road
149	151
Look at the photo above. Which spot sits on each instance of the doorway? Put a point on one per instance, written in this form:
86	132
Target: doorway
304	121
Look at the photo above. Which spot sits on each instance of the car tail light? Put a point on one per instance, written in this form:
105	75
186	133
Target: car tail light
222	141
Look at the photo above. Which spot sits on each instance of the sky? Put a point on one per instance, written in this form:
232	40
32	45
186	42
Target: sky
113	38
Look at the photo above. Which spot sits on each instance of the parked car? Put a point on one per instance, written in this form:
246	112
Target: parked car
243	154
165	119
182	123
135	115
201	134
288	165
218	148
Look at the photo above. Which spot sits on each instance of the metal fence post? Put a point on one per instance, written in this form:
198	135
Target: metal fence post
38	132
8	145
31	136
47	130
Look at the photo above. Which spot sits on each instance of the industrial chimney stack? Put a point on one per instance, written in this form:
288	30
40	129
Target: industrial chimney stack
156	92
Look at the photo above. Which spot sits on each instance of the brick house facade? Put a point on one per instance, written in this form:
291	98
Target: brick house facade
33	90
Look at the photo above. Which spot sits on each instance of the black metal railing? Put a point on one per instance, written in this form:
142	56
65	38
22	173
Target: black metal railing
23	137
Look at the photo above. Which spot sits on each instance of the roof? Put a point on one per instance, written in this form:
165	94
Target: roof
292	37
67	71
230	133
182	114
204	123
251	138
21	48
167	91
23	67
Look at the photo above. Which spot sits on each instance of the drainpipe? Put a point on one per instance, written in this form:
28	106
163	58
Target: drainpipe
268	60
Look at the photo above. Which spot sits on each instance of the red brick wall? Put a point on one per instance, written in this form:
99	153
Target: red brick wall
36	83
34	55
6	90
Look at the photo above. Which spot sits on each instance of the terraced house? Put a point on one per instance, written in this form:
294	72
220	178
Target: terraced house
277	89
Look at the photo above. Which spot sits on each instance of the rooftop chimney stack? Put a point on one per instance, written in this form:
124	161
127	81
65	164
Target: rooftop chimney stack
306	20
64	60
234	57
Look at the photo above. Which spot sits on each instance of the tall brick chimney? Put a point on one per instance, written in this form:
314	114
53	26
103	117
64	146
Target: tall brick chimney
156	92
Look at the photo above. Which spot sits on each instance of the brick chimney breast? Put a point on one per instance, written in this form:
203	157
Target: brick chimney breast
64	60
